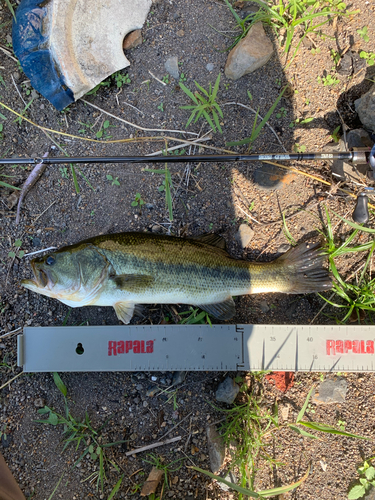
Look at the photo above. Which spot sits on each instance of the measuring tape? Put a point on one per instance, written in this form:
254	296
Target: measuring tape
294	348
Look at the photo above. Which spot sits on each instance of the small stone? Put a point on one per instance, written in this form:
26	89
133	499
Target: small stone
365	107
39	403
145	404
180	33
171	66
153	378
151	391
36	241
178	378
175	480
139	387
227	391
264	306
244	235
251	53
231	478
358	138
283	248
216	448
210	67
332	390
132	40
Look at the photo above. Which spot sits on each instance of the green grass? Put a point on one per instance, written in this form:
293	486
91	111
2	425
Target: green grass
311	15
205	105
356	299
256	130
249	424
165	187
81	434
157	462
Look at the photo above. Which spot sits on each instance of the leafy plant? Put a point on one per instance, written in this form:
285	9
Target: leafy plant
80	433
121	79
367	481
114	180
204	105
299	148
103	132
363	34
17	252
165	78
161	106
282	112
301	121
335	56
287	233
368	56
182	77
64	172
328	80
196	317
137	200
335	136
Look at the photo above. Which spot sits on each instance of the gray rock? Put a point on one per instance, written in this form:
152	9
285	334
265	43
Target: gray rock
216	448
244	235
332	390
36	242
210	67
171	66
251	53
227	391
231	478
264	306
178	378
365	107
283	248
358	138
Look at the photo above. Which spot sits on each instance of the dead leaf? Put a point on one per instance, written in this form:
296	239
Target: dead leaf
152	482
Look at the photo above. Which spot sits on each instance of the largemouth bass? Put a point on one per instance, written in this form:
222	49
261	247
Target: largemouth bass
125	269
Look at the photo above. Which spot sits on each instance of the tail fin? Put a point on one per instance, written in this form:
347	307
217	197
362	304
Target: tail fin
304	268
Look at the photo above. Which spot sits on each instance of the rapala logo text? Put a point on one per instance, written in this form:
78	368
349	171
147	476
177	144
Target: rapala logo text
137	346
349	346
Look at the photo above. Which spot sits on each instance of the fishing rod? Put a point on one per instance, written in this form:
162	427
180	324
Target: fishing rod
355	156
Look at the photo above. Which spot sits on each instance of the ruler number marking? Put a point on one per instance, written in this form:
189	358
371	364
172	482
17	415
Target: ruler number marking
310	339
273	339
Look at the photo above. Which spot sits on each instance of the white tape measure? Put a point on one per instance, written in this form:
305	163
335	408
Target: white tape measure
198	347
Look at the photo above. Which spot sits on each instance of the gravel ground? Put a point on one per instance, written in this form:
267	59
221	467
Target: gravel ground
207	198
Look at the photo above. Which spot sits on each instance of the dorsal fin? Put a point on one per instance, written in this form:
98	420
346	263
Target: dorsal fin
212	239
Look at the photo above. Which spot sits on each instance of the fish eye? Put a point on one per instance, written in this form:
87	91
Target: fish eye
50	260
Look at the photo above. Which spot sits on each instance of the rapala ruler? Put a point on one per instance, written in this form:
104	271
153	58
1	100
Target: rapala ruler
197	348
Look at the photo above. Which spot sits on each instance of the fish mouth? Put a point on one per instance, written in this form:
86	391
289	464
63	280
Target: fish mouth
41	278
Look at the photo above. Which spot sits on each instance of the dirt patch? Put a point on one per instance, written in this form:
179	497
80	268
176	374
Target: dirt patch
206	198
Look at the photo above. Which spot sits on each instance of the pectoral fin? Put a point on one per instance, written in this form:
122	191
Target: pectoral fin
124	311
135	283
220	310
